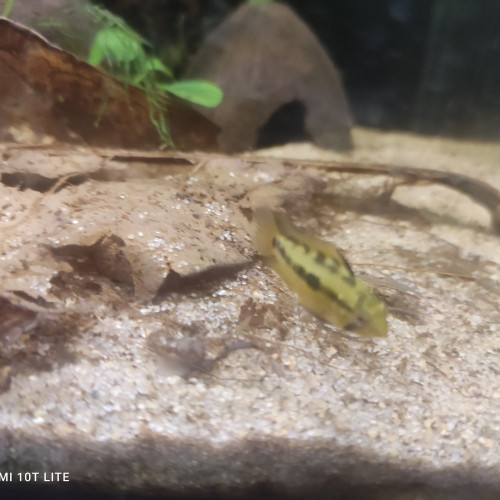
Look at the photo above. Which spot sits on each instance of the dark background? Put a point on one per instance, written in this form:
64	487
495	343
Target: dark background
428	66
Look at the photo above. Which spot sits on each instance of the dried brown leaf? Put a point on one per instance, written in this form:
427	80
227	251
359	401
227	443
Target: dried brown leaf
105	257
46	93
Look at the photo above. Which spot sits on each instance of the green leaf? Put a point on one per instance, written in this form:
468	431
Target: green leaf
197	91
115	44
7	8
146	73
154	64
96	54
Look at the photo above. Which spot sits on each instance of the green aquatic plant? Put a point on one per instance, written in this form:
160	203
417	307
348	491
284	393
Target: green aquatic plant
124	53
7	8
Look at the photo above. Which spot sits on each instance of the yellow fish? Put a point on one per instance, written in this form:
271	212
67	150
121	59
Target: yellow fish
318	273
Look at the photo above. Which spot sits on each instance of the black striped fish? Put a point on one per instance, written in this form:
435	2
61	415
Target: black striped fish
318	273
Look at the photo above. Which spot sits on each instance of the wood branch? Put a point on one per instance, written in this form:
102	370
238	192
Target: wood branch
481	192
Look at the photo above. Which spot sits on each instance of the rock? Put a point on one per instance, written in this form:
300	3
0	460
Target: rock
271	67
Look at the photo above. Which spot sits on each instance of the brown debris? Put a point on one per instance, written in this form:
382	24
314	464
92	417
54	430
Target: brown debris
14	322
20	318
5	377
283	68
106	257
186	355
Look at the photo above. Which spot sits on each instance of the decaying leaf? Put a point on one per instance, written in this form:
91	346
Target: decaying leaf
105	257
15	320
47	94
252	315
20	318
135	228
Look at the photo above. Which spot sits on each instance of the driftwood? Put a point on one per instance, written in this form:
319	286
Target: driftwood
481	192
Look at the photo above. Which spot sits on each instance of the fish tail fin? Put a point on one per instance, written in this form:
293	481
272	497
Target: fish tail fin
266	230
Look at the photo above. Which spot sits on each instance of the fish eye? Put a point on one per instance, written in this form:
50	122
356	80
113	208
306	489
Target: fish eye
359	322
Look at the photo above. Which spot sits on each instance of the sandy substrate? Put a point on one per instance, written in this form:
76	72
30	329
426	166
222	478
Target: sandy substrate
93	394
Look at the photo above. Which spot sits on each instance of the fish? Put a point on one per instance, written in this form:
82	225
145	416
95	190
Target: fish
320	276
